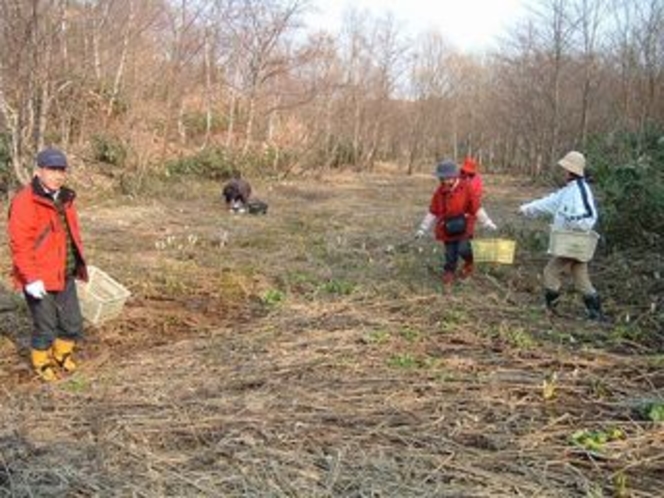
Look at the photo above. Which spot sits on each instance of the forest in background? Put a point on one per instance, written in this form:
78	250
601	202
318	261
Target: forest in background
142	89
310	352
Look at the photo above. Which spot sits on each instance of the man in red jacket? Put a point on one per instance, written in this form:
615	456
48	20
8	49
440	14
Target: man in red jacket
47	256
453	210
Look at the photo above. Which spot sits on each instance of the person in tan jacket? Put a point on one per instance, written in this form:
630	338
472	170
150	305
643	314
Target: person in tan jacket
572	208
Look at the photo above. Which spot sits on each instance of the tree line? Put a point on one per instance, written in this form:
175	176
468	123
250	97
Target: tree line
139	84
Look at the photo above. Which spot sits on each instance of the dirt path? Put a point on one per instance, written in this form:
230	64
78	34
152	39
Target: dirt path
311	353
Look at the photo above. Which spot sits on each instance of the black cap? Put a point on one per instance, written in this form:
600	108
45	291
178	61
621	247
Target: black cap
446	169
51	158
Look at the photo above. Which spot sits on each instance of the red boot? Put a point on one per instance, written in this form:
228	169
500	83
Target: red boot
448	278
467	269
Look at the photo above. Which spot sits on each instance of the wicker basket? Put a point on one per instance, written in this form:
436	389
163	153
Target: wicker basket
573	244
494	251
101	298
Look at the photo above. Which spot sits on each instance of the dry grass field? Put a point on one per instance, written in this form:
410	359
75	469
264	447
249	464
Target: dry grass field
312	353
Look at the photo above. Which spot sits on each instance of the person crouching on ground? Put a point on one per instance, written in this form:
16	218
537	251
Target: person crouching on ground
453	210
470	173
47	256
572	208
236	193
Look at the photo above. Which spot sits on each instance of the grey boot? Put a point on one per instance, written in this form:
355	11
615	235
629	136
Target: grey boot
594	307
551	299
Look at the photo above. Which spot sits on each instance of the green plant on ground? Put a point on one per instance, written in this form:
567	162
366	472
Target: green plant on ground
379	336
273	297
451	320
446	376
431	363
657	361
652	411
518	337
299	282
627	332
337	287
76	384
620	487
594	441
404	361
598	388
410	334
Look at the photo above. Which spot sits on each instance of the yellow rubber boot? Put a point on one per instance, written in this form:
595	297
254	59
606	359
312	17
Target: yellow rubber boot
41	362
62	351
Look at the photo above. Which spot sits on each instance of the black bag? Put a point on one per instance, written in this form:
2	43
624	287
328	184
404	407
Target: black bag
456	225
256	207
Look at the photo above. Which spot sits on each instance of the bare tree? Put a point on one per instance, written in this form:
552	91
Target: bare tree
260	30
433	88
589	14
31	73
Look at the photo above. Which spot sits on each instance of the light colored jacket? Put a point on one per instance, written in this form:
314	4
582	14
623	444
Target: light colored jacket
572	207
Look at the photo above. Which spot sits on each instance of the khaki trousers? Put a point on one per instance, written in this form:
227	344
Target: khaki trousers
557	268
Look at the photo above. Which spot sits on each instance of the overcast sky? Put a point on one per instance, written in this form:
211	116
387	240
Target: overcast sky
472	25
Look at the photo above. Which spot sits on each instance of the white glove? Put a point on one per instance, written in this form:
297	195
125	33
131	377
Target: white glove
484	219
425	226
36	289
524	210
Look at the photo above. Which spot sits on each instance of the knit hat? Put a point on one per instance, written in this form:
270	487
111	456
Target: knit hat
446	169
51	158
574	162
469	166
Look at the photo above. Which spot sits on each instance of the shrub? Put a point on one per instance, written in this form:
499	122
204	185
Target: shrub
196	123
109	150
215	164
629	171
8	179
5	153
220	163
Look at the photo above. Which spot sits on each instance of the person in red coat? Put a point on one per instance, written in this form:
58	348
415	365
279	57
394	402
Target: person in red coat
470	173
47	256
453	212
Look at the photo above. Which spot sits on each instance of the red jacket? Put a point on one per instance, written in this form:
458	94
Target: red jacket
476	183
38	238
462	199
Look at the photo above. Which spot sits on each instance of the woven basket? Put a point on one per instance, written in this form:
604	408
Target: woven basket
101	297
494	251
573	244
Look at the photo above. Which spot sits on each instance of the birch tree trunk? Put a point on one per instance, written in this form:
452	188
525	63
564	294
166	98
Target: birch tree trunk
119	73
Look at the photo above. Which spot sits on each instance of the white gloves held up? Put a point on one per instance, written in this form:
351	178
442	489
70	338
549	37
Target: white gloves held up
36	289
420	233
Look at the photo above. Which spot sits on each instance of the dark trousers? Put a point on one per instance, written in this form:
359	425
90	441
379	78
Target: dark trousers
454	250
57	315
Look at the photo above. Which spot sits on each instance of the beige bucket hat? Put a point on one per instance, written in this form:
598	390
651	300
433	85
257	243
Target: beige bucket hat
574	162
